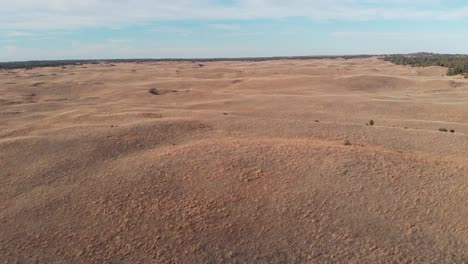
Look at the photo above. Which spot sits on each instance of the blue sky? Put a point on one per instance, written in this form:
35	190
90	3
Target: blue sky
88	29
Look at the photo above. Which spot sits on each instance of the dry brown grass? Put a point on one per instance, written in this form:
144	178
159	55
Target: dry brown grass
233	167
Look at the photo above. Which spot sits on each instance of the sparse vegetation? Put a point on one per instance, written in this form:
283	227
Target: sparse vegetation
446	130
154	91
457	64
59	63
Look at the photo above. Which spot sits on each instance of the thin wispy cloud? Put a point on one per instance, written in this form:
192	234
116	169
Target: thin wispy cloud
171	29
393	35
71	14
229	27
14	34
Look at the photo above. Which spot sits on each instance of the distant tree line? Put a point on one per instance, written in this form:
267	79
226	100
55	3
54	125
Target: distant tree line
456	63
33	64
61	63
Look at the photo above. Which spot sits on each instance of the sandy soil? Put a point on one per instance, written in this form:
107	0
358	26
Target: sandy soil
234	162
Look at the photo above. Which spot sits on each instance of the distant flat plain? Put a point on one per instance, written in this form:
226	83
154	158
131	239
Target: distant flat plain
234	162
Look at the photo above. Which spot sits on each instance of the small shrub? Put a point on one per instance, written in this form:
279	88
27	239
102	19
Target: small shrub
452	130
443	130
154	91
371	123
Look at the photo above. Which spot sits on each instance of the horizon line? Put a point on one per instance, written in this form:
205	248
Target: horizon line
207	59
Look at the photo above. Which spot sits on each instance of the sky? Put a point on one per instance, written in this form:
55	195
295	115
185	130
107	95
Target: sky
100	29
